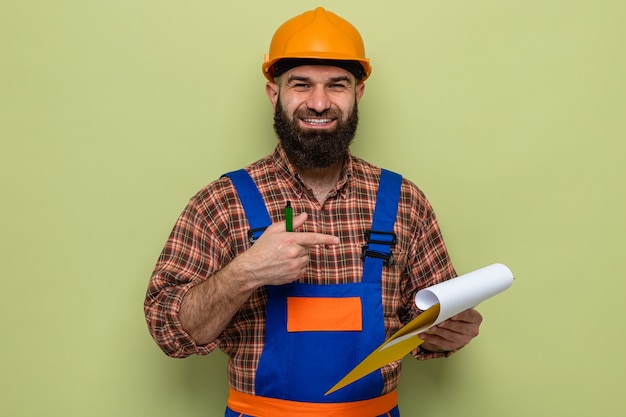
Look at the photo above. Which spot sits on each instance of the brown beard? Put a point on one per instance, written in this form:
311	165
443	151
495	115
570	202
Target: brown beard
315	148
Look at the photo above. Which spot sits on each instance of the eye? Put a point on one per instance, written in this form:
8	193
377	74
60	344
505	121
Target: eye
339	86
298	84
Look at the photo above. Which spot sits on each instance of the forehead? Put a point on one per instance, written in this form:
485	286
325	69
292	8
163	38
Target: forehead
318	73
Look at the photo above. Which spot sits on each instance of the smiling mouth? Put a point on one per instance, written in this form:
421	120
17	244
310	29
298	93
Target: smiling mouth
317	122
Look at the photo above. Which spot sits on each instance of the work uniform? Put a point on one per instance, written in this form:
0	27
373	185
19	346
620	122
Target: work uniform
315	334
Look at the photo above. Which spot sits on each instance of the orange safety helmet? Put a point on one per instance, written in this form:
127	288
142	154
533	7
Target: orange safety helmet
317	35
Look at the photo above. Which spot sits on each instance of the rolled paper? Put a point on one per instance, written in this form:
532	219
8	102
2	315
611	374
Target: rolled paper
465	291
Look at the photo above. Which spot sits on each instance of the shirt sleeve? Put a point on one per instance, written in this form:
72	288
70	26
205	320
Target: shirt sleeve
191	254
430	265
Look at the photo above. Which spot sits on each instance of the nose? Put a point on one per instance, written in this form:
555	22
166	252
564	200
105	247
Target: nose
318	100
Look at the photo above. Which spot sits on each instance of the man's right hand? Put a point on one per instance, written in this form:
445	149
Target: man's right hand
279	257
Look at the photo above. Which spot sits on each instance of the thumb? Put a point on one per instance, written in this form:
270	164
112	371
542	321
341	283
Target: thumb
299	220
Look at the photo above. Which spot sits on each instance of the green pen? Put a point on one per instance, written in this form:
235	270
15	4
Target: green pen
289	217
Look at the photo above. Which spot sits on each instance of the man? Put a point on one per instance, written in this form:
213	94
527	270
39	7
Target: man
296	311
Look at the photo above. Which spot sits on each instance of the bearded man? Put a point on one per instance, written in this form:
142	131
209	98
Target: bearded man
296	311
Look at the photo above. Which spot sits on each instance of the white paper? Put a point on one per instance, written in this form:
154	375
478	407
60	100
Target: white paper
460	293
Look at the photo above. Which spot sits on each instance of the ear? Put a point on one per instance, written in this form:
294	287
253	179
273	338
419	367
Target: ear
272	90
360	90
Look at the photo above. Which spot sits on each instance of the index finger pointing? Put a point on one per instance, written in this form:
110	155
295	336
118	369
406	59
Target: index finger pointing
312	239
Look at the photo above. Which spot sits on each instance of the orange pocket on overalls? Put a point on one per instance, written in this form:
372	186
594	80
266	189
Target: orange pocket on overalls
310	314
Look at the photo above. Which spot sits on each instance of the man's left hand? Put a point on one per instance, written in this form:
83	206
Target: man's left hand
453	333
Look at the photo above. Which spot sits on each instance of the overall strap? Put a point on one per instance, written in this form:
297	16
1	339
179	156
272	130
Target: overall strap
381	237
252	202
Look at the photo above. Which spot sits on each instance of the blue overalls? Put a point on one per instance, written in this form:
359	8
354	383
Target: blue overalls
306	353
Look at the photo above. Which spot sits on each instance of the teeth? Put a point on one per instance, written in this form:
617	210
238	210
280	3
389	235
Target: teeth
318	121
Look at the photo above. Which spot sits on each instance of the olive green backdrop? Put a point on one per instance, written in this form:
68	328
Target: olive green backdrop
510	115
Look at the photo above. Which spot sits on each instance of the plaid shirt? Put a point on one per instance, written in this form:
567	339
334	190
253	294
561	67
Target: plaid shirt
213	228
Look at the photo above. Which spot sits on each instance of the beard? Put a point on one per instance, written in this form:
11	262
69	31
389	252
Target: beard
315	148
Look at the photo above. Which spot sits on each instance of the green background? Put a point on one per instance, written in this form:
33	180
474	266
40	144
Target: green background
510	115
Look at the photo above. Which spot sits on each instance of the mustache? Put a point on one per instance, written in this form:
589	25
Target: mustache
306	113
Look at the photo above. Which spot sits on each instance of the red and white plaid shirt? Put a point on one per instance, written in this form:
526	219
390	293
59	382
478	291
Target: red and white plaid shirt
213	228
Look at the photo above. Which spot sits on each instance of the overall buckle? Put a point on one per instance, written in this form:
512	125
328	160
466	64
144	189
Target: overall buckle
379	238
252	234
